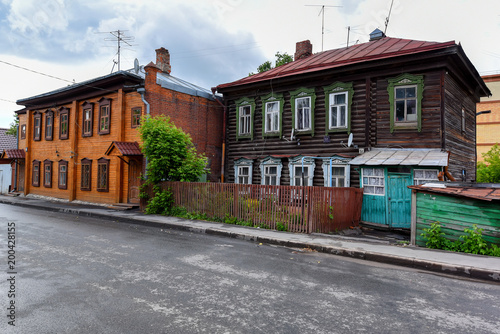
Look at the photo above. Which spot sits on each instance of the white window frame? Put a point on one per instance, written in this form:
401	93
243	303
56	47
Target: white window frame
374	184
336	163
422	180
264	167
298	110
245	120
296	162
243	163
406	99
272	123
338	111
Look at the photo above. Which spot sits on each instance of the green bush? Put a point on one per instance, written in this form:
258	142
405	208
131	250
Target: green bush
161	203
472	242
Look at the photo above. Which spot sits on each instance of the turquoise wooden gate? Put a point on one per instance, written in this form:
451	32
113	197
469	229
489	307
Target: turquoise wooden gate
399	200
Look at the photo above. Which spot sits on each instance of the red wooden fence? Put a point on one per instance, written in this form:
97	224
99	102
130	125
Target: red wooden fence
298	209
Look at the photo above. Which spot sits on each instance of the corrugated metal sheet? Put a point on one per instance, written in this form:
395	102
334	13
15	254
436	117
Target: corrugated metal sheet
481	193
375	50
406	157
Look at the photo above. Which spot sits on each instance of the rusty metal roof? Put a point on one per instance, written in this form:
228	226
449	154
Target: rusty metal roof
403	157
374	50
13	154
476	192
125	148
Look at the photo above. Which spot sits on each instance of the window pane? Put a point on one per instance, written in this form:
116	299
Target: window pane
400	93
410	92
338	171
341	182
342	116
276	122
400	110
306	118
334	116
339	98
378	172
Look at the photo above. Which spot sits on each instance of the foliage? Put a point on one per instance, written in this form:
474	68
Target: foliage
281	59
161	203
13	127
170	152
489	171
471	242
281	226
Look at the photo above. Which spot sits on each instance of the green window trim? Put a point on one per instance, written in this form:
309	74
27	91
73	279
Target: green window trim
338	87
406	79
300	93
272	97
245	101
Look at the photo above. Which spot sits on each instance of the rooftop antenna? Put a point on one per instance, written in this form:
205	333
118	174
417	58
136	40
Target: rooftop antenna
388	16
322	12
119	37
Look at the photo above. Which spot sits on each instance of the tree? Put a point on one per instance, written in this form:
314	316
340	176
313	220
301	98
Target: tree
171	156
13	127
281	59
489	171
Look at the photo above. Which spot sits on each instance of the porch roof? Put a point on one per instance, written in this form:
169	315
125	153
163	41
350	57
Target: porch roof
13	154
125	148
405	157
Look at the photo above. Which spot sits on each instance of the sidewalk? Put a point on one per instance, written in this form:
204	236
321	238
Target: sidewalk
360	247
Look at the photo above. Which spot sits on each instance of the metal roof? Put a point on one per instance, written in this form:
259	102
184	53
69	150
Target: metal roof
404	157
384	48
170	82
125	148
13	154
481	193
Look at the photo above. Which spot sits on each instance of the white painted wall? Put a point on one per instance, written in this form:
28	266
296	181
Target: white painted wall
5	177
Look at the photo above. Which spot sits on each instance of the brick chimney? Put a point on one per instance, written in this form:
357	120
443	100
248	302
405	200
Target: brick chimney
303	49
163	60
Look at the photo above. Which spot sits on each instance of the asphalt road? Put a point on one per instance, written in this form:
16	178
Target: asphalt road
86	275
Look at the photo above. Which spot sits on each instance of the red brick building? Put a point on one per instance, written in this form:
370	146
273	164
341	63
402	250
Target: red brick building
81	142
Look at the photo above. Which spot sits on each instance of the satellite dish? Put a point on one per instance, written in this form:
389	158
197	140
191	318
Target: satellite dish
349	141
136	66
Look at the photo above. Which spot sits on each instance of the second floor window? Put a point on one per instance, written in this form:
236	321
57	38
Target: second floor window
49	125
37	126
63	124
272	116
23	131
245	120
136	117
338	110
303	113
87	122
104	116
405	103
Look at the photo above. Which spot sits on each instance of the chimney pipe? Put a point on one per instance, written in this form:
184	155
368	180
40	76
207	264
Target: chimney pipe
163	60
303	49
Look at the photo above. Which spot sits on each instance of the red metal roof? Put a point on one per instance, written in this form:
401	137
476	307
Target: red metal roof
125	148
379	49
481	193
13	154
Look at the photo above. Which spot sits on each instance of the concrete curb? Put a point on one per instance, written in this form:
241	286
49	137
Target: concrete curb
410	262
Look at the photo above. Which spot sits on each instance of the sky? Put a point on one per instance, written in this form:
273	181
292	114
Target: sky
49	44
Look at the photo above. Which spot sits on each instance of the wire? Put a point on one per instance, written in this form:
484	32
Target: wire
27	69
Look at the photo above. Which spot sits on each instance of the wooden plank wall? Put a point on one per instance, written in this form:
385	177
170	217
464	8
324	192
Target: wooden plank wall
461	145
455	214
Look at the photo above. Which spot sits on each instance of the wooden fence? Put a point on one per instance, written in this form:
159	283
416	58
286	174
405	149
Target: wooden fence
297	209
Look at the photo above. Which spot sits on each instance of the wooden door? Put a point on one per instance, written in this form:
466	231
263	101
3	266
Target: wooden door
134	173
20	184
399	200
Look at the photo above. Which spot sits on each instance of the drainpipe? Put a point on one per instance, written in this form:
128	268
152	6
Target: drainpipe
16	162
214	89
142	91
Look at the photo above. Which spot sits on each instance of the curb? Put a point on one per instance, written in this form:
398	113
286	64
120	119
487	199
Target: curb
415	263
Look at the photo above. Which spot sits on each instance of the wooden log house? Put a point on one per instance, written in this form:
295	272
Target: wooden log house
81	142
381	115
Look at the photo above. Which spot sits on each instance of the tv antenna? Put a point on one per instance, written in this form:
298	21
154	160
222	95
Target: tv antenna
322	13
119	37
388	16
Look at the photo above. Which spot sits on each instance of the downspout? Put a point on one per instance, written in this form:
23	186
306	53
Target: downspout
15	164
224	108
142	91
